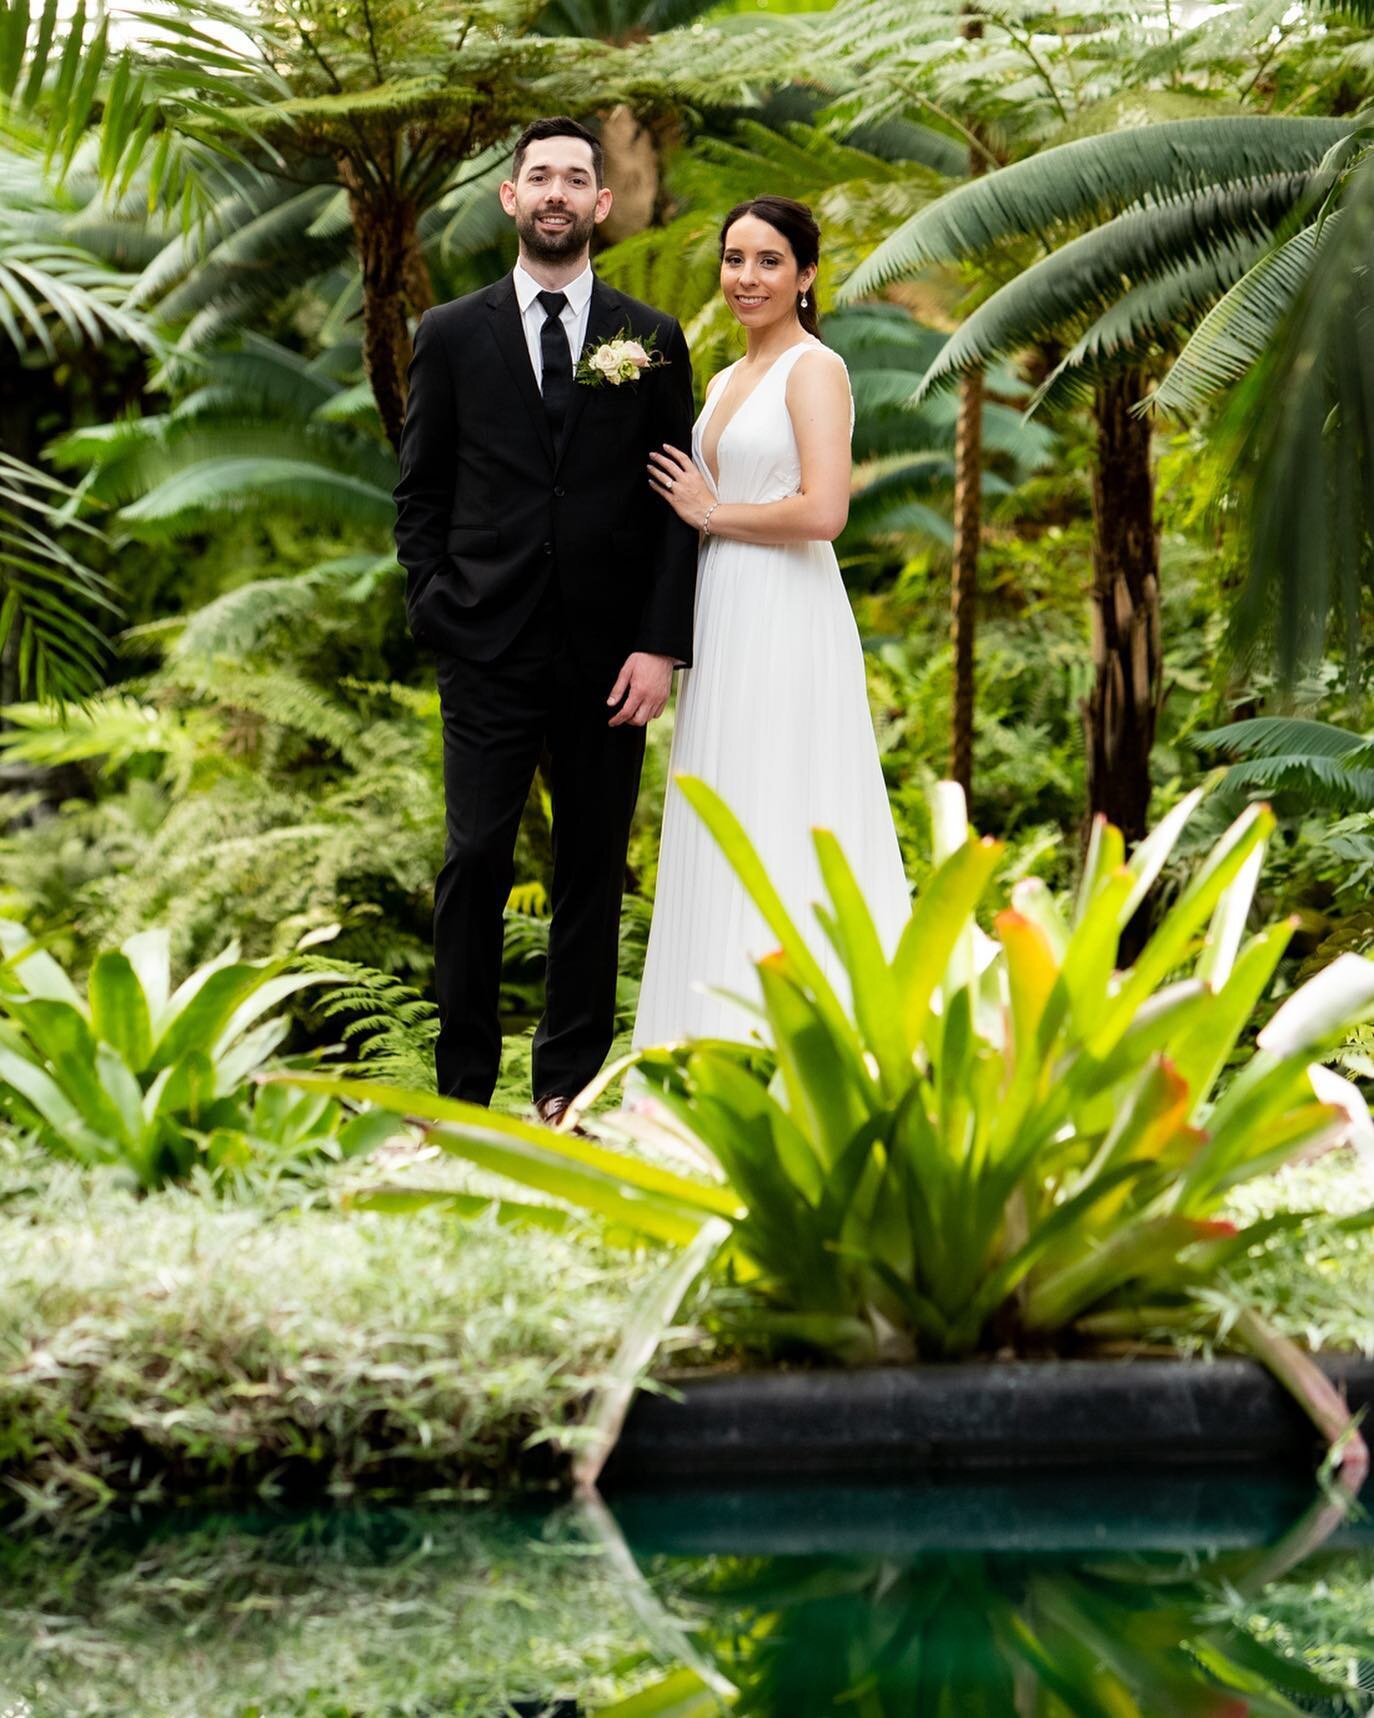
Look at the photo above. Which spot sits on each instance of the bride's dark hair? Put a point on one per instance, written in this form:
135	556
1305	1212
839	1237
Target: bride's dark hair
798	226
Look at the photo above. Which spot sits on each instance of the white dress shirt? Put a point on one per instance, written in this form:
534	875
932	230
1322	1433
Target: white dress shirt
574	317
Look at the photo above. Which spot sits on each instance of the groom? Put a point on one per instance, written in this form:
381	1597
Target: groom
556	591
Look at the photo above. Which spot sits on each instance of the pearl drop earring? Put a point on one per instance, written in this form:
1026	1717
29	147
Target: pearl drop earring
804	301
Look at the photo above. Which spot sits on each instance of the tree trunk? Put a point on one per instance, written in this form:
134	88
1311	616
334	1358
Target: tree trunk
396	286
963	597
1119	716
633	172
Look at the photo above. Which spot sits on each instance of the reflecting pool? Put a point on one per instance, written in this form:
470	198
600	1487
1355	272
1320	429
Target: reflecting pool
1047	1594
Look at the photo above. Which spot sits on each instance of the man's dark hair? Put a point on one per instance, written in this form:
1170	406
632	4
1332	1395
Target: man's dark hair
560	126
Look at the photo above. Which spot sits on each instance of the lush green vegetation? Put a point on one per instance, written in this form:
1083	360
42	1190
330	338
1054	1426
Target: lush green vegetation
190	1344
1102	284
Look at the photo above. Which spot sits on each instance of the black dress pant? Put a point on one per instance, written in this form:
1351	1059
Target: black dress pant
497	719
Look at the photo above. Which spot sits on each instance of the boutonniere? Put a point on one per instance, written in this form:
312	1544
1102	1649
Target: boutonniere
618	359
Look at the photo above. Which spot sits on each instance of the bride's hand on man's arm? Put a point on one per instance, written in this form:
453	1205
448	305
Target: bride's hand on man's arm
674	476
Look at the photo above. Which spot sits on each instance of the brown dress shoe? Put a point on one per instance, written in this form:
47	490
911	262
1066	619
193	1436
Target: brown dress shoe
552	1109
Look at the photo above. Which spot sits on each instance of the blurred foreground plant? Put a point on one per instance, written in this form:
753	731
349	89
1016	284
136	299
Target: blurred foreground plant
155	1079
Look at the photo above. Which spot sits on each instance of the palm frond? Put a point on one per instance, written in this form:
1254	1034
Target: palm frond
265	257
1313	762
1281	736
55	289
1304	475
148	110
1088	273
1241	325
48	596
1145	316
225	486
1094	178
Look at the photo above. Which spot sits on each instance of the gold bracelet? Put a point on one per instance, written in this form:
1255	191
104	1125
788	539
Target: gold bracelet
706	522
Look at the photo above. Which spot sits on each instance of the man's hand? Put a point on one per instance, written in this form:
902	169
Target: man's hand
644	683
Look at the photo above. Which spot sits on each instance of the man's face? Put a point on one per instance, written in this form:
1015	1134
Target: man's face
555	202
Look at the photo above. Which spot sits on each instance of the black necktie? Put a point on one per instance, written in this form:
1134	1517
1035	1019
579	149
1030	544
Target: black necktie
557	362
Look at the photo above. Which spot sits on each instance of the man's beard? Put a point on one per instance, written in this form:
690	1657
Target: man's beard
554	247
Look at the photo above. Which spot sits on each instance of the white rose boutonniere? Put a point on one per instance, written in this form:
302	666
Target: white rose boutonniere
616	360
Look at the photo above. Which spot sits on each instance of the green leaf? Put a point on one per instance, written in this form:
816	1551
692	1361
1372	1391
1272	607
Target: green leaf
63	1037
402	1201
1338	997
195	1019
829	1104
42	1093
188	1088
119	1009
941	915
733	841
639	1195
1169	945
645	1326
37	972
1201	1051
872	982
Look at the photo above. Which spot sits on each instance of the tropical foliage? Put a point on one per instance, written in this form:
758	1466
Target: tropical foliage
987	1142
1100	281
157	1080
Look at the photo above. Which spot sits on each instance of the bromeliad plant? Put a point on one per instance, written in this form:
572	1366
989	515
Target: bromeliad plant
1007	1141
973	1142
158	1080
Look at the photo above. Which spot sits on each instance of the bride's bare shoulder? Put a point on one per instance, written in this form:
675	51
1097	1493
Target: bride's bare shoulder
818	374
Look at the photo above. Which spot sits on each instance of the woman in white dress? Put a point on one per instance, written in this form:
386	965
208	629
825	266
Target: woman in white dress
774	713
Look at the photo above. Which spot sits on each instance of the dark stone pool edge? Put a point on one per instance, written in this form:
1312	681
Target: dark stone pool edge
988	1414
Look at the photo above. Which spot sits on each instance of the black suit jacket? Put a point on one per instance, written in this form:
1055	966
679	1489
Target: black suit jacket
488	509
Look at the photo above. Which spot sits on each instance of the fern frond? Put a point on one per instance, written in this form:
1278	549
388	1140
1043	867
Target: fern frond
1096	178
1241	325
235	623
1088	273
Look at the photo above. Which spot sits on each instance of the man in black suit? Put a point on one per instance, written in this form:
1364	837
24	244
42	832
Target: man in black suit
556	591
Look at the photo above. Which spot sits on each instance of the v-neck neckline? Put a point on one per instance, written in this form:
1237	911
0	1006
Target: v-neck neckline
729	422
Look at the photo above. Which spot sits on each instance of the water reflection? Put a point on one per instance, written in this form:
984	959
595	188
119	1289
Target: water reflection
1050	1595
1101	1595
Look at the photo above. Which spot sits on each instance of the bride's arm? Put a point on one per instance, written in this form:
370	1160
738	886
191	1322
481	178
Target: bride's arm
818	404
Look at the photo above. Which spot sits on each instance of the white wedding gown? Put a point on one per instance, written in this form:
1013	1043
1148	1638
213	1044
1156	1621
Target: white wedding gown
774	715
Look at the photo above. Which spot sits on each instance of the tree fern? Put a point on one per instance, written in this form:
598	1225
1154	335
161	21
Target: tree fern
1092	179
266	250
1241	325
1316	763
1305	474
1147	315
1087	274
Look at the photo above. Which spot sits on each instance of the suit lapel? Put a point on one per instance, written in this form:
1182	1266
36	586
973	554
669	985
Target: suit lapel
509	332
605	317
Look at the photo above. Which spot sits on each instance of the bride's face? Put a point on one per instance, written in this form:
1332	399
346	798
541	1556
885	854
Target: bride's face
759	274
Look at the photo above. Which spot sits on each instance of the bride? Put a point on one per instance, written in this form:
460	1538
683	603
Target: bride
774	713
